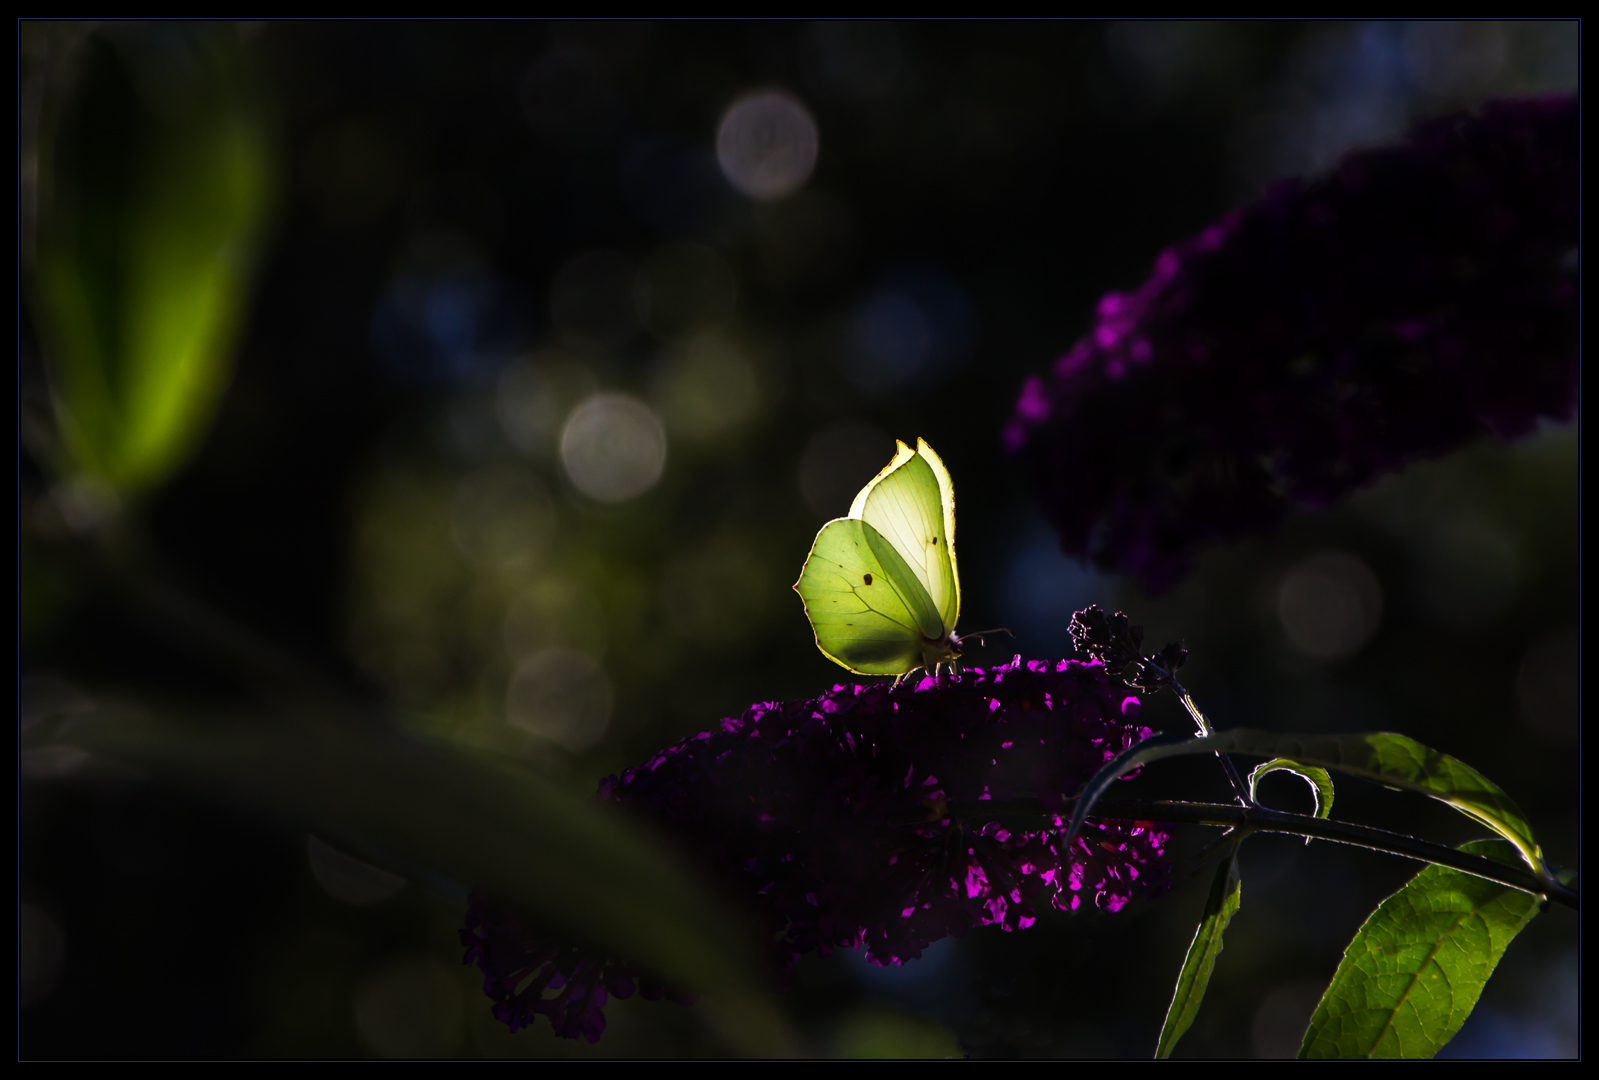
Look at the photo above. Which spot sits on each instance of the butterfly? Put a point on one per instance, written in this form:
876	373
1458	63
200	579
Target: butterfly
881	586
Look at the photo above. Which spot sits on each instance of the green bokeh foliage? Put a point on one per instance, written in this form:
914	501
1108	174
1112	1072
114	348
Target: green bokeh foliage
434	811
155	179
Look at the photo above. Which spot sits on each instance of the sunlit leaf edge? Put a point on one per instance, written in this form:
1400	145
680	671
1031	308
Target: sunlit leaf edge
1371	755
1459	996
1221	904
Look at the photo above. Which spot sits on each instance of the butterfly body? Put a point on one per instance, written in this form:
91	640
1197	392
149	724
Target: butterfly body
881	586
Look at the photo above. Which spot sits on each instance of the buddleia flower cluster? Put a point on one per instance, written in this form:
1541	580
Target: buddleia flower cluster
529	973
870	817
1416	298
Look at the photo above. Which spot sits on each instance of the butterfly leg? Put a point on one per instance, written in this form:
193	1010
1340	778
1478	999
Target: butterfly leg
903	676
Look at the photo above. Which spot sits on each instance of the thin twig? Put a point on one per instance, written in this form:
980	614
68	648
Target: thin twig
1259	819
1240	789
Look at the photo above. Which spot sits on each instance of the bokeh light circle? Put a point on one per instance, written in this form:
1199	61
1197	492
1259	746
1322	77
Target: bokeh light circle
706	388
613	448
348	879
562	695
411	1008
767	145
1330	605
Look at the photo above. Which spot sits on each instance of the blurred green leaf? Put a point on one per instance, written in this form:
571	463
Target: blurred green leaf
888	1034
561	858
1414	971
155	178
1226	892
1321	785
1393	760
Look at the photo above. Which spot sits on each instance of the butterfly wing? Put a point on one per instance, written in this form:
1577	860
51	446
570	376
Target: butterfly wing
912	504
951	607
868	608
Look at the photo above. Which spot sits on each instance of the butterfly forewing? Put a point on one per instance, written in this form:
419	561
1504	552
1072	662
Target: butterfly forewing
951	610
866	605
913	507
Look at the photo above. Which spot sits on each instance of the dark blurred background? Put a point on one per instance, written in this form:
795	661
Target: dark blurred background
563	342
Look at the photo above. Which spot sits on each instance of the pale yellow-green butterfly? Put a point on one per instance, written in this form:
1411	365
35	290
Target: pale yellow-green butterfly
880	586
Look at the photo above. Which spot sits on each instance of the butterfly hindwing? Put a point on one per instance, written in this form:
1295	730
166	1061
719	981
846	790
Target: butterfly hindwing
867	606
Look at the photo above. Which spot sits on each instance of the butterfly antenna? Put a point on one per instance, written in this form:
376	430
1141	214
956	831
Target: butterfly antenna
981	635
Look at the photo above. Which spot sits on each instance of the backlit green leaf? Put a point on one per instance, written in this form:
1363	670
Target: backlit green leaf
1415	970
1389	759
1321	785
155	176
1220	906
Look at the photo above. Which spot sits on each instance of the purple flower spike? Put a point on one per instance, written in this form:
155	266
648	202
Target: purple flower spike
1414	299
856	819
528	973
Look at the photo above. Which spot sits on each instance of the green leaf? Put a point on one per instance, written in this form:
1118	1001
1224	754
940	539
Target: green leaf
155	178
1389	759
559	857
1321	786
1415	970
1220	906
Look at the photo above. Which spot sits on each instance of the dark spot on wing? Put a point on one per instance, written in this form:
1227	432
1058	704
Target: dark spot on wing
868	579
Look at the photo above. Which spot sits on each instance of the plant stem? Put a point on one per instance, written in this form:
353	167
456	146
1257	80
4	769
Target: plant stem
1248	819
1240	789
